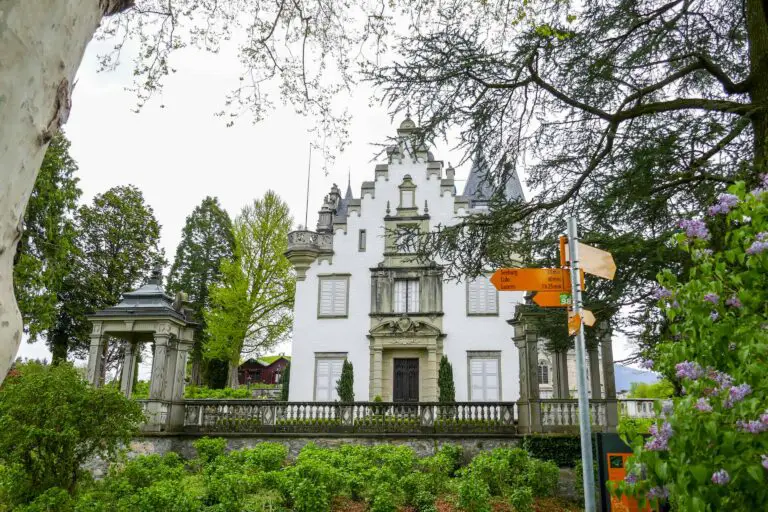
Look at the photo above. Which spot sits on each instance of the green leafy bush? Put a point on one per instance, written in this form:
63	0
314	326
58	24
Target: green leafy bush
560	449
445	382
522	499
345	386
474	494
541	477
209	448
629	428
52	421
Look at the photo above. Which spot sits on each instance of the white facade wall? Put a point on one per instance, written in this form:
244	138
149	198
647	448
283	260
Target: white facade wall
348	335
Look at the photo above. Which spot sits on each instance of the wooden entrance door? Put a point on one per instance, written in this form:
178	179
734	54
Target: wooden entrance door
406	380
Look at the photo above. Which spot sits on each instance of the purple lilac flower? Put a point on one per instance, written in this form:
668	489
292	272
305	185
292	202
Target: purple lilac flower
688	370
752	427
757	247
721	477
647	364
667	408
661	293
738	393
703	405
660	439
631	478
733	302
764	418
658	493
714	316
723	379
725	202
762	237
712	298
695	229
765	461
763	187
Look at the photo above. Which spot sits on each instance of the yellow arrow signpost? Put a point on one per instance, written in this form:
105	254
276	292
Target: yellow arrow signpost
562	287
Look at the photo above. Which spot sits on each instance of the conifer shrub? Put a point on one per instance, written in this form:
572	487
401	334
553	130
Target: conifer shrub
447	390
345	384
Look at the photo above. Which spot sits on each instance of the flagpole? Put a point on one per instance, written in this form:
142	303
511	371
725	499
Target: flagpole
306	208
581	376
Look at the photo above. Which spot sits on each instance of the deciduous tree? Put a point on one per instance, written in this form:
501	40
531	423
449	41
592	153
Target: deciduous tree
117	244
207	239
46	247
252	309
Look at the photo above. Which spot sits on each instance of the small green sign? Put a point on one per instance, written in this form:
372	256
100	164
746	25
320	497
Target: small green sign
565	298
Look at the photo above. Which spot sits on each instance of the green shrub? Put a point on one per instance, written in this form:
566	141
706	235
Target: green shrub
562	450
522	499
209	448
345	386
542	477
309	496
445	382
474	495
51	500
52	421
578	472
286	383
629	428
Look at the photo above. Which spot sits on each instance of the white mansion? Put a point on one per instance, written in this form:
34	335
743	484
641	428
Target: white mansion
357	298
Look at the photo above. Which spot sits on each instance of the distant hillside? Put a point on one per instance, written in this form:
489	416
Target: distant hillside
625	376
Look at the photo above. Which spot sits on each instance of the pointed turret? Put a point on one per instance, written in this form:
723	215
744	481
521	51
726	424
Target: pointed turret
479	188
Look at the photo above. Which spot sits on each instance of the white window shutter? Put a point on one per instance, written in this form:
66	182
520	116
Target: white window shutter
326	297
484	379
476	378
340	297
491	379
491	296
335	375
322	392
399	305
413	295
481	296
473	293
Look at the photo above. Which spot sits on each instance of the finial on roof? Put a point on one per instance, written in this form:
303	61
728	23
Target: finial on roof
156	277
426	207
388	210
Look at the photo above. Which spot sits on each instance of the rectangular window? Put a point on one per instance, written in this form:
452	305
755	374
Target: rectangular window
482	297
406	298
327	373
333	296
407	199
361	241
484	379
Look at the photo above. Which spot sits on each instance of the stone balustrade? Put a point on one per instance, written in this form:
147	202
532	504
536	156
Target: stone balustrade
472	418
303	240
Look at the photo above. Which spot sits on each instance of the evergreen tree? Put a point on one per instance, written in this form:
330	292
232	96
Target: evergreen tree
252	309
117	247
207	239
46	247
445	382
286	383
345	384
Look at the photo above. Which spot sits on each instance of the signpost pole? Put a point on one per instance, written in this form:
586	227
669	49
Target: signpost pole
581	376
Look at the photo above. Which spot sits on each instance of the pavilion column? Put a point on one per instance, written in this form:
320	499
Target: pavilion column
609	380
560	387
182	350
526	338
594	373
157	406
129	368
96	358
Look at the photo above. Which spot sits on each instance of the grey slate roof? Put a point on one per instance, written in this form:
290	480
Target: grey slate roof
341	210
148	300
478	189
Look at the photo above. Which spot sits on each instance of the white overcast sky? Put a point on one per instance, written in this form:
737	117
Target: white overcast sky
177	152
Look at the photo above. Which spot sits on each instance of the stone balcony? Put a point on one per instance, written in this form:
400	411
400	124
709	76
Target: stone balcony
305	246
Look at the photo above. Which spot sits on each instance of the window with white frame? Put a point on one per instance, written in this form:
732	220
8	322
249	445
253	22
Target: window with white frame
333	296
482	297
543	372
361	241
327	374
406	299
484	378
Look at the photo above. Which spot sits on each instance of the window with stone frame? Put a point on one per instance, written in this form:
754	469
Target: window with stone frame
406	296
332	296
482	297
484	377
543	372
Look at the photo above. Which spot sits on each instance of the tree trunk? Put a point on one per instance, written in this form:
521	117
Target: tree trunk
59	347
757	31
232	381
196	379
42	43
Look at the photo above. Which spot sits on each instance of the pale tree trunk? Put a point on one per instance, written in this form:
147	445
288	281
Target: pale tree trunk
232	381
41	45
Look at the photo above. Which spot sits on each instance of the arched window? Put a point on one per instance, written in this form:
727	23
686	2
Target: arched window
543	372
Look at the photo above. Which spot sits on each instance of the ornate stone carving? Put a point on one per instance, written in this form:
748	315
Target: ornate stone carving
97	328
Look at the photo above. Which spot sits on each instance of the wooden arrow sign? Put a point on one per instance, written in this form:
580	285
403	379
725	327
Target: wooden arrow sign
574	322
552	299
531	279
594	261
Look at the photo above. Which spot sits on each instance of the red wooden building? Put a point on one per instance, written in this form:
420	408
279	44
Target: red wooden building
265	370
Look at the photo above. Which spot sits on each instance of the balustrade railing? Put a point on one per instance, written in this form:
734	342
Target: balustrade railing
559	415
637	407
358	417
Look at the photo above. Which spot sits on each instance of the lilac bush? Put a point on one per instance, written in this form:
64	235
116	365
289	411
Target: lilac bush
710	451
